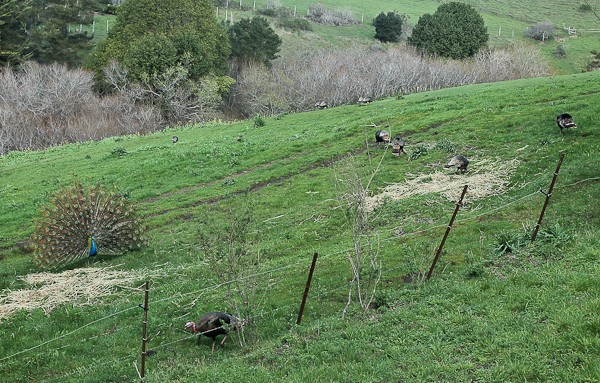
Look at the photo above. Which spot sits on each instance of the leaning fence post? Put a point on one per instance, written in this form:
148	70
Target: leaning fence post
439	251
310	274
548	195
145	307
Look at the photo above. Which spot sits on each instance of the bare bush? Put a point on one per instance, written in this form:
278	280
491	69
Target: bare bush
322	15
540	31
365	263
47	105
294	83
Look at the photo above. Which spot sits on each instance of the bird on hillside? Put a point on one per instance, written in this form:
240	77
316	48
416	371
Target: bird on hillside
459	162
565	120
382	136
175	139
84	221
398	146
214	324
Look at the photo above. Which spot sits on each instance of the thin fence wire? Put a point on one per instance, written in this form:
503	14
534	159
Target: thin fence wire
302	262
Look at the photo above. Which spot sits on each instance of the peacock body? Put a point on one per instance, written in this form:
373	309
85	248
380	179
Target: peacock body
81	222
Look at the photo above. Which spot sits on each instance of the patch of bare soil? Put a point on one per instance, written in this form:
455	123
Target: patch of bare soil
79	287
485	179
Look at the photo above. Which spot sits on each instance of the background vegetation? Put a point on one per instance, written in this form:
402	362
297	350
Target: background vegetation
487	314
235	210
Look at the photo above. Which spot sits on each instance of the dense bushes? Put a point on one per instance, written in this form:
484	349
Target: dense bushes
46	105
540	31
341	77
322	15
388	27
455	30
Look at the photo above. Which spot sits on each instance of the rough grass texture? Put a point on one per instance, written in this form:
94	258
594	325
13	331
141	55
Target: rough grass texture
485	178
79	287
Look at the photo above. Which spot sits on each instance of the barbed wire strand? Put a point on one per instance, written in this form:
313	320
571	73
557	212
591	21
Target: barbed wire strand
270	271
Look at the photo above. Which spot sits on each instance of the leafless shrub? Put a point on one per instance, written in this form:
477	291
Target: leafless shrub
296	82
322	15
365	264
540	31
46	105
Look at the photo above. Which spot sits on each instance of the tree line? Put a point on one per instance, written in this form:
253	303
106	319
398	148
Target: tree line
172	63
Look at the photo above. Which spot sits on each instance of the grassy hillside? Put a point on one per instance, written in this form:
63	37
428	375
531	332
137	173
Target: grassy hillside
486	315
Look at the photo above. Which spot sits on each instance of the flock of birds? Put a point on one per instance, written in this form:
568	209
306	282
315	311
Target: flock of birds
564	121
214	324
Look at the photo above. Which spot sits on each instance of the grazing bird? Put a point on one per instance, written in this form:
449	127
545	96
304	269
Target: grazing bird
382	136
175	139
364	100
321	105
214	324
398	146
459	162
565	120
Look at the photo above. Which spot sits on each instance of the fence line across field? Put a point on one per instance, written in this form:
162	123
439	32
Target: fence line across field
179	295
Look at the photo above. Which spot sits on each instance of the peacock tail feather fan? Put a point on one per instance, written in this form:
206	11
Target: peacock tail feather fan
83	221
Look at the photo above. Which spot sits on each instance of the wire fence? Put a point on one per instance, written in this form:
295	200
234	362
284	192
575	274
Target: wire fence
300	263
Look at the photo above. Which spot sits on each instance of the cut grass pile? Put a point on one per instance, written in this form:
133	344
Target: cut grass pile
78	287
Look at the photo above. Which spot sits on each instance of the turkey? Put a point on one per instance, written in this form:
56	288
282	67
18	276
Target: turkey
565	120
382	136
398	146
459	162
214	324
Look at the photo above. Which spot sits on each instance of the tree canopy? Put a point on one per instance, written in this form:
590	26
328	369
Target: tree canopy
388	27
150	36
40	30
455	30
254	40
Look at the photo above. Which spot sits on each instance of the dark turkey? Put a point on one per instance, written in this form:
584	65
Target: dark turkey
214	324
398	146
458	162
382	136
565	120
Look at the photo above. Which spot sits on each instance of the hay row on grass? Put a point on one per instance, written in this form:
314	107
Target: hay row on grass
486	179
79	287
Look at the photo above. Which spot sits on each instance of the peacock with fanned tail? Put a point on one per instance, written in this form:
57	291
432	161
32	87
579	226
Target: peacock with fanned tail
83	221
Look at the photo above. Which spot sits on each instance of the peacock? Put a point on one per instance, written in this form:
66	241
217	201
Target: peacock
83	221
214	324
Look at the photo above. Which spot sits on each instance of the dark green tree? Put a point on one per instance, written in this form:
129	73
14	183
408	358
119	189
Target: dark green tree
455	30
13	36
45	30
254	40
388	27
186	31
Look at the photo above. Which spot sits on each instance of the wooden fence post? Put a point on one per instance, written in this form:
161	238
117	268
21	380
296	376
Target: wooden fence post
144	330
439	251
548	195
310	274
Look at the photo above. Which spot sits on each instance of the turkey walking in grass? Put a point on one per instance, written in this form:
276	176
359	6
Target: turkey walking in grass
565	121
214	324
458	162
398	146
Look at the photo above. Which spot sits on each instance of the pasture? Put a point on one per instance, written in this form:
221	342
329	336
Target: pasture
488	314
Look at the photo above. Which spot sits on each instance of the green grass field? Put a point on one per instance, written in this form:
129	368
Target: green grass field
486	315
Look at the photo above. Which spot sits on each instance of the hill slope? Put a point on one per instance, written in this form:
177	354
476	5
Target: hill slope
486	315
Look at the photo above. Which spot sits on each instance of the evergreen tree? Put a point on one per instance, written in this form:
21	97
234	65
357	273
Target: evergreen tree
40	30
388	27
185	30
455	31
254	40
13	37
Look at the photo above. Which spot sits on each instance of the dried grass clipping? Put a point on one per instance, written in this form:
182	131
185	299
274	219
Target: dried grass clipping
79	287
485	179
